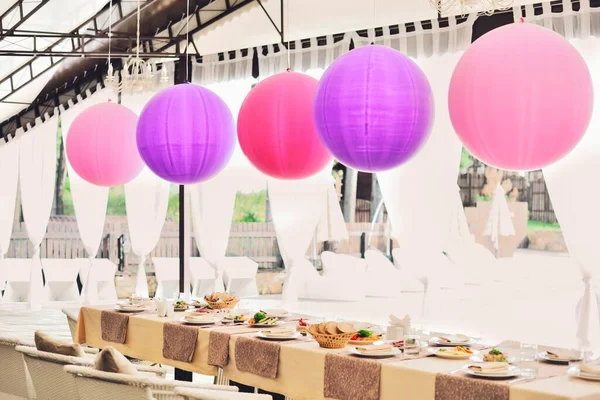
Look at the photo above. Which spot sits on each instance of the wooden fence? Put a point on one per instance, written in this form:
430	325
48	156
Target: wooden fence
257	241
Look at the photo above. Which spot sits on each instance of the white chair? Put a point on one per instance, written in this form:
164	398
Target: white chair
167	277
433	270
240	276
475	260
104	274
14	377
200	394
72	315
98	385
61	278
203	277
50	380
385	280
17	272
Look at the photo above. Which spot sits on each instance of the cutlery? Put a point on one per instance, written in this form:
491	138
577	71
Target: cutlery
519	380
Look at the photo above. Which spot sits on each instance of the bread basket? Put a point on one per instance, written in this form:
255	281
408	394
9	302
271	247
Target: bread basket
220	305
332	341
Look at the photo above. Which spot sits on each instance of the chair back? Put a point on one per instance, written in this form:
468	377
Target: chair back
14	378
48	375
98	385
17	272
200	394
239	267
377	261
167	276
104	274
61	278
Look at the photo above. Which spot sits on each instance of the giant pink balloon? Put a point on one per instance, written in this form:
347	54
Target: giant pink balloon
101	145
276	129
520	97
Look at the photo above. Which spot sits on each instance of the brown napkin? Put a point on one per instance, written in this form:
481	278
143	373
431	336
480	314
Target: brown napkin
456	387
351	378
179	341
113	326
257	356
218	348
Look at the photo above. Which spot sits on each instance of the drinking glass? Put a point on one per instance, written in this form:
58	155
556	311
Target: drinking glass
528	360
411	342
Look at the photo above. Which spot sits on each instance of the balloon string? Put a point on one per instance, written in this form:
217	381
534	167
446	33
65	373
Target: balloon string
522	19
187	40
287	23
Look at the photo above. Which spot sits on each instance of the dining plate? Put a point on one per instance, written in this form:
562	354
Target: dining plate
278	313
576	373
365	342
479	358
200	321
451	355
436	341
293	336
545	357
382	354
512	371
125	309
264	325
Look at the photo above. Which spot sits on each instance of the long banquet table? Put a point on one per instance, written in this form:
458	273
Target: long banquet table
302	363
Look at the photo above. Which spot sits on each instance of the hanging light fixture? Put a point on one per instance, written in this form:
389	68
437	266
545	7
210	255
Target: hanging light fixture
488	7
137	74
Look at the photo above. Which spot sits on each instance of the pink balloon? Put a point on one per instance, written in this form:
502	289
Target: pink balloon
521	97
276	129
101	145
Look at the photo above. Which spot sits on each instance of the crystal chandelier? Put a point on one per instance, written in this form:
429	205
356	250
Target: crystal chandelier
463	7
137	74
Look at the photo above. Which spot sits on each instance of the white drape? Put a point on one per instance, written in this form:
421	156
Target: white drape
417	193
146	200
9	165
459	226
236	65
37	169
499	221
89	201
578	215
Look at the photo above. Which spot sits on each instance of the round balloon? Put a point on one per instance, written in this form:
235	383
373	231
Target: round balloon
101	145
276	129
520	97
374	108
186	134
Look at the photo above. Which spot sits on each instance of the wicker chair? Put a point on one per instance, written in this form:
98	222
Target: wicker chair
14	379
98	385
199	394
72	315
52	382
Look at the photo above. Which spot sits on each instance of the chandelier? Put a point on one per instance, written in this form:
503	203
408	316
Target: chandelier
463	7
137	75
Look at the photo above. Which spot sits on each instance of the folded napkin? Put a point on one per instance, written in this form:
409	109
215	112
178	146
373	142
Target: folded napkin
456	387
403	323
179	342
592	369
281	332
258	357
454	339
489	367
376	348
351	378
562	354
113	326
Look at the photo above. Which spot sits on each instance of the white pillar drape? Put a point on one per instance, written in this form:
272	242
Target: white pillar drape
459	226
37	169
146	200
578	215
499	221
416	193
89	201
9	165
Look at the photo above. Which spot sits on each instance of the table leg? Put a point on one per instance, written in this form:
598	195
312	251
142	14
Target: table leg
181	375
249	389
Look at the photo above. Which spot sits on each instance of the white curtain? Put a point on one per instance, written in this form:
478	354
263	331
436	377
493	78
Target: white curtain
416	193
236	65
89	201
499	221
578	215
37	169
9	178
146	199
459	226
297	207
331	226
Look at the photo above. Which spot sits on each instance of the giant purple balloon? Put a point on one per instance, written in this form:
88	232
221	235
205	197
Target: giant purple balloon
374	108
186	134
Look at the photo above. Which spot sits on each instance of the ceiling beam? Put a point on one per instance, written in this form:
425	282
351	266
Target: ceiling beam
7	18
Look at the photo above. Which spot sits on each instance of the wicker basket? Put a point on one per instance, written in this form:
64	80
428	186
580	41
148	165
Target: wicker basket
220	305
332	341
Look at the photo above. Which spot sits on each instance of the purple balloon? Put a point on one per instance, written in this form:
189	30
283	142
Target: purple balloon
374	108
186	134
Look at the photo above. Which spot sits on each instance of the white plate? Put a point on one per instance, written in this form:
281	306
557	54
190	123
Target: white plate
293	336
277	313
508	373
575	372
545	357
381	354
204	321
479	358
450	355
265	325
364	342
130	309
436	341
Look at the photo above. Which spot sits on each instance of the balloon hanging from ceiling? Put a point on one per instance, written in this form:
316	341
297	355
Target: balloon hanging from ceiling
101	145
520	97
276	128
186	134
374	108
